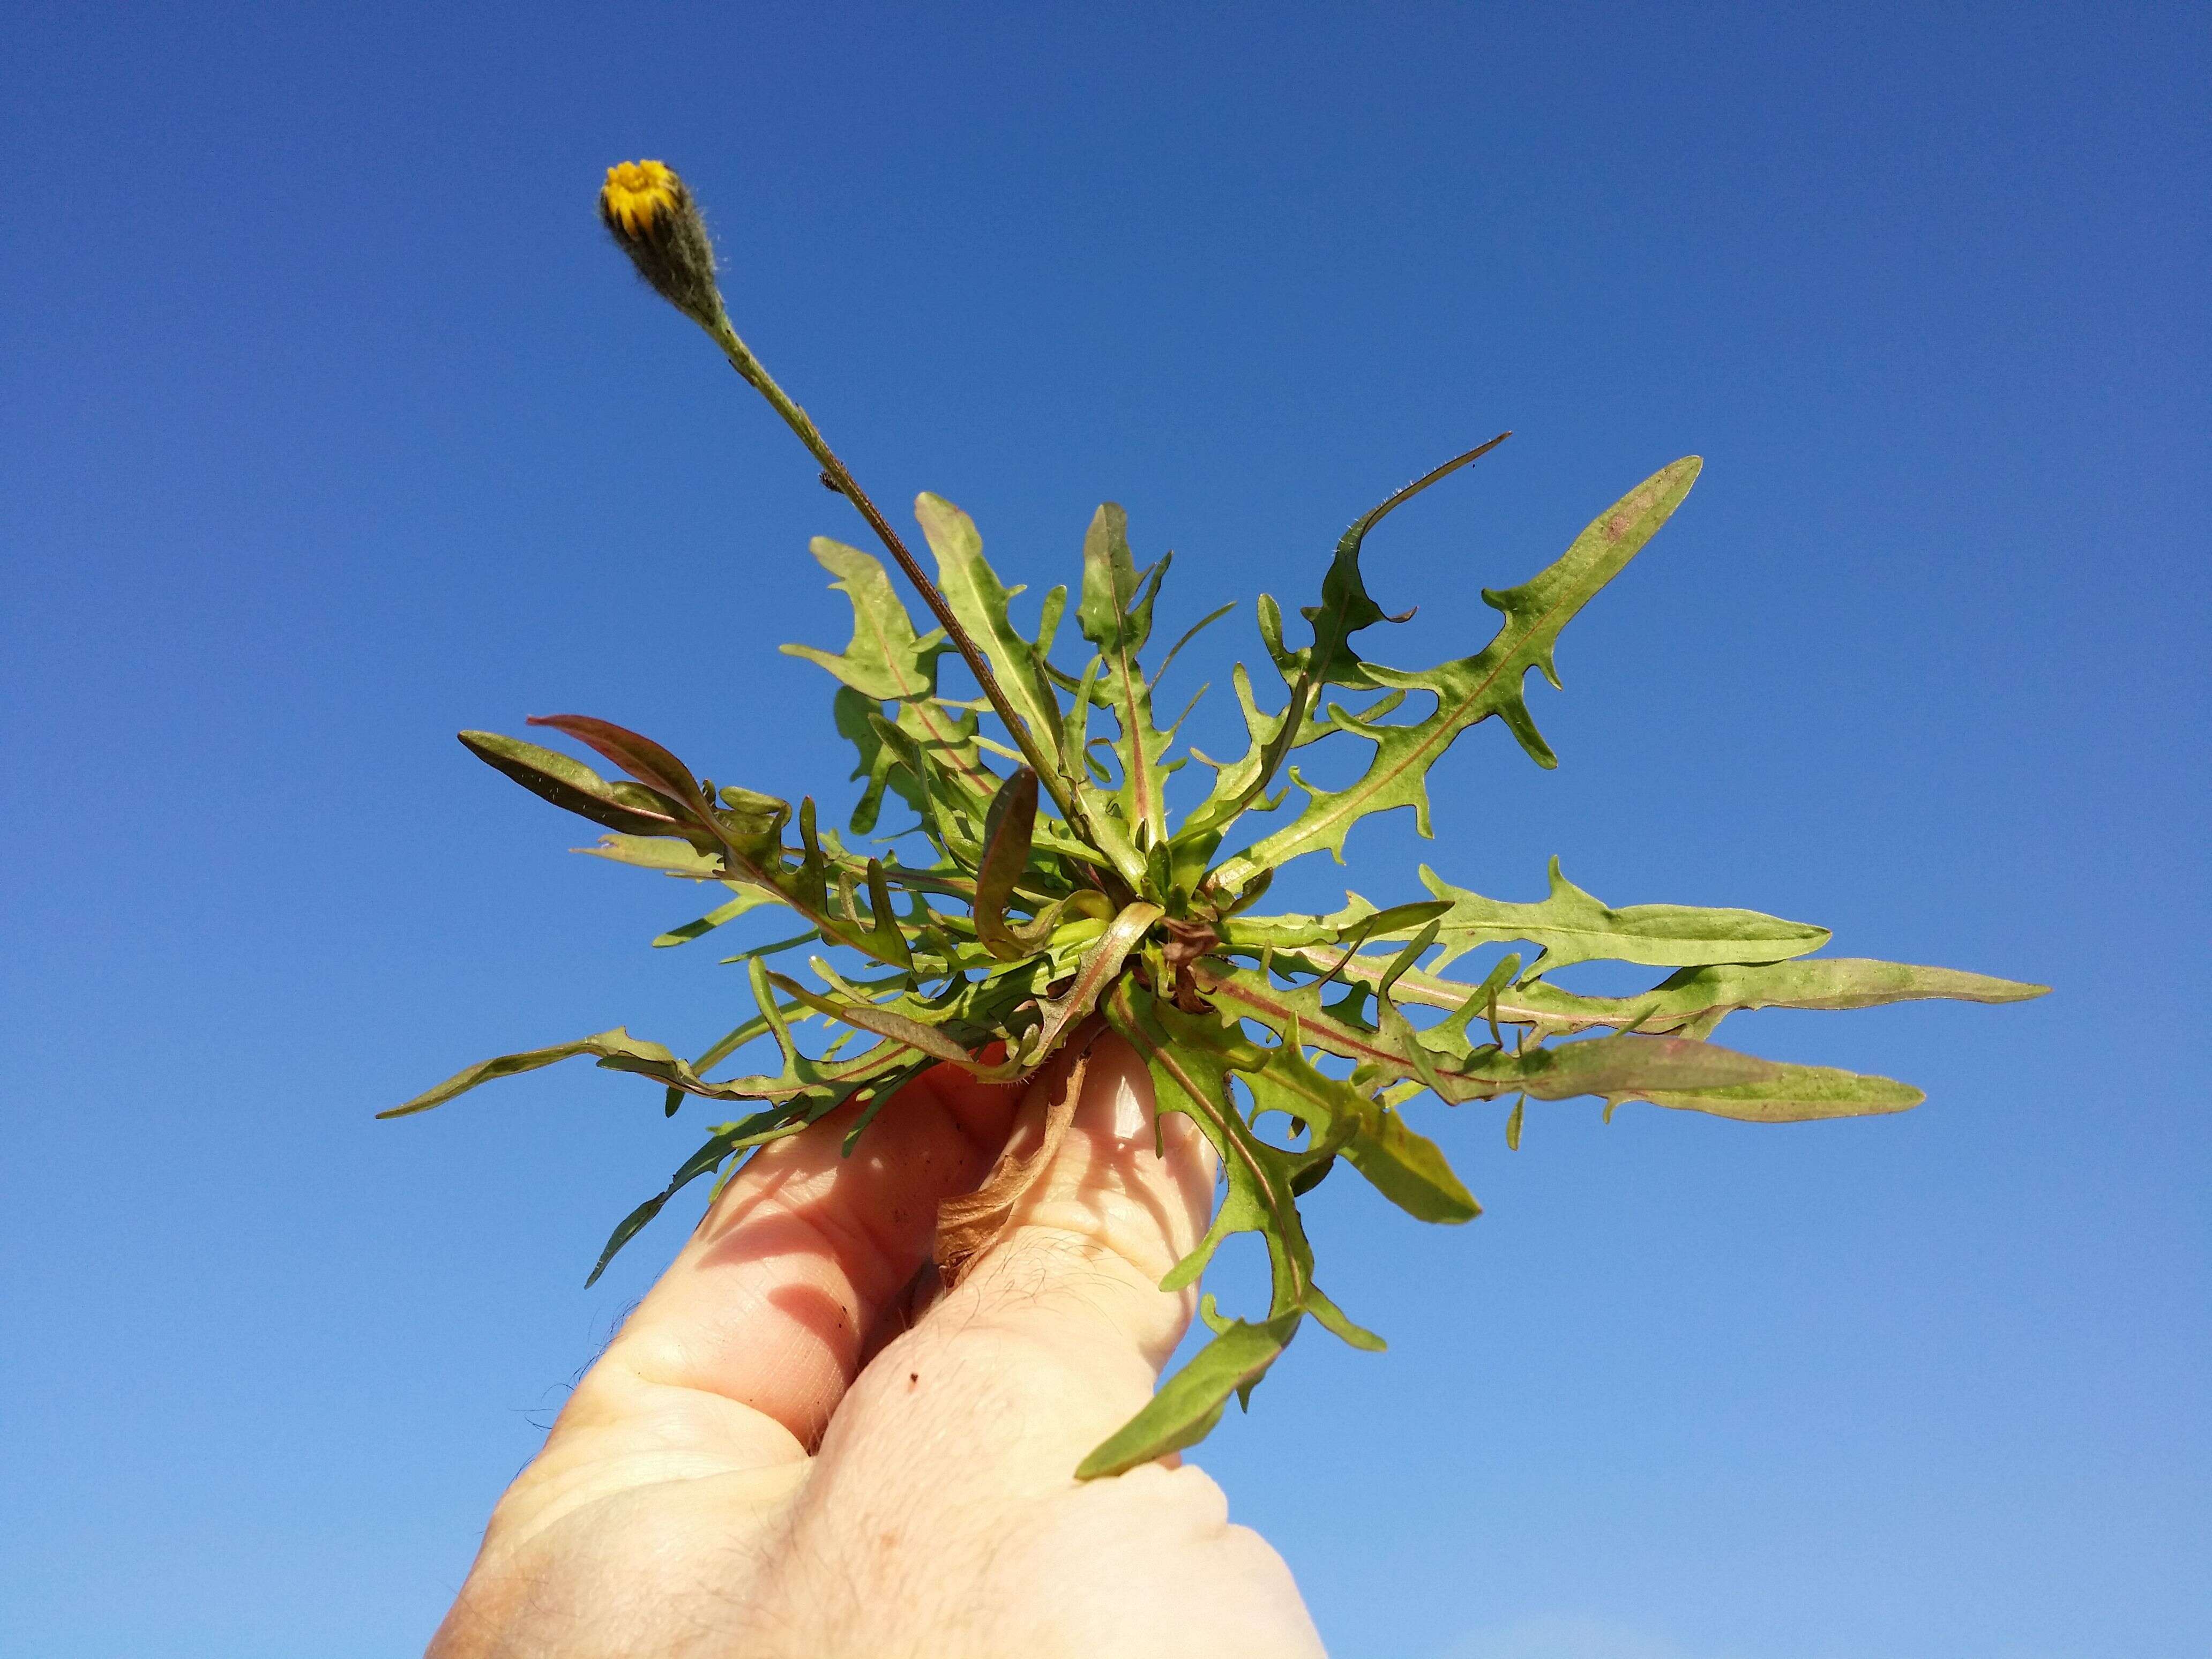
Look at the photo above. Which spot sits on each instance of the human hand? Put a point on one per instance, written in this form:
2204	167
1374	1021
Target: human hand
782	1453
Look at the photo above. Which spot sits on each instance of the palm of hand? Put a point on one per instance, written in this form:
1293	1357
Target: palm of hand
677	1509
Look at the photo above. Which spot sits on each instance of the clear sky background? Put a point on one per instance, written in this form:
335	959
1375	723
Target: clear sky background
332	425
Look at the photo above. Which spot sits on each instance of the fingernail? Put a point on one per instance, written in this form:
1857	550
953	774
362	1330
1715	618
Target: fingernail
1129	1117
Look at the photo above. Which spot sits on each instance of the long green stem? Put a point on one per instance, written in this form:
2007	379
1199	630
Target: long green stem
839	477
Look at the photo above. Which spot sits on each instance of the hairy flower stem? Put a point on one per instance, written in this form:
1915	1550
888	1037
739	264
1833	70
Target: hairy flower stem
839	477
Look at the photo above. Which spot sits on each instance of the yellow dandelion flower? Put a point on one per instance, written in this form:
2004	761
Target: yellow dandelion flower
636	194
653	218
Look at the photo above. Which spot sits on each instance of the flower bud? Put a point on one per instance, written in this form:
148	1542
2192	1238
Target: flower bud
651	217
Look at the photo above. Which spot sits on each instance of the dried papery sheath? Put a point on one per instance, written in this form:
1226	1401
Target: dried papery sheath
653	218
1063	874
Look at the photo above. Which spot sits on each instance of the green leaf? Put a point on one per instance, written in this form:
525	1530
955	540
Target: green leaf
1694	999
1115	609
1094	974
1697	998
671	858
872	1017
1282	1080
1345	606
1189	1057
747	826
1573	926
1006	836
729	1139
1789	1094
733	1040
980	600
773	947
1603	1065
945	739
1189	635
750	825
886	661
616	1049
1237	783
726	1142
1188	1405
574	787
856	717
801	1076
1474	689
1611	1066
639	756
1408	1168
626	1229
1246	994
1116	615
748	898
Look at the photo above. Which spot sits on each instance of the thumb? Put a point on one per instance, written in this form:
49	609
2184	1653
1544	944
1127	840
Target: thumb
958	1445
1122	1196
1056	1332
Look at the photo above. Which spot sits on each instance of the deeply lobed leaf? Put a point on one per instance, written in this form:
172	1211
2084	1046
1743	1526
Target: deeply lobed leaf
1475	688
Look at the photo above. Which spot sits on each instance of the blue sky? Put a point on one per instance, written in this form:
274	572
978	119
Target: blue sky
332	426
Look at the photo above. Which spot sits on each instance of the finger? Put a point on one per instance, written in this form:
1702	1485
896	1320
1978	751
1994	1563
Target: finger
1126	1195
767	1305
1058	1333
949	1470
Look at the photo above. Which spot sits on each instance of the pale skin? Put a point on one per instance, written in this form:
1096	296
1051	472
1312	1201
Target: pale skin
778	1457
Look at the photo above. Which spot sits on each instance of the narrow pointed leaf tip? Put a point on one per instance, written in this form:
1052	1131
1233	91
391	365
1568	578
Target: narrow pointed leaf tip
1185	1410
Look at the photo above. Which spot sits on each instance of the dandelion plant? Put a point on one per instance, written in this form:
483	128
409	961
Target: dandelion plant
1060	896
